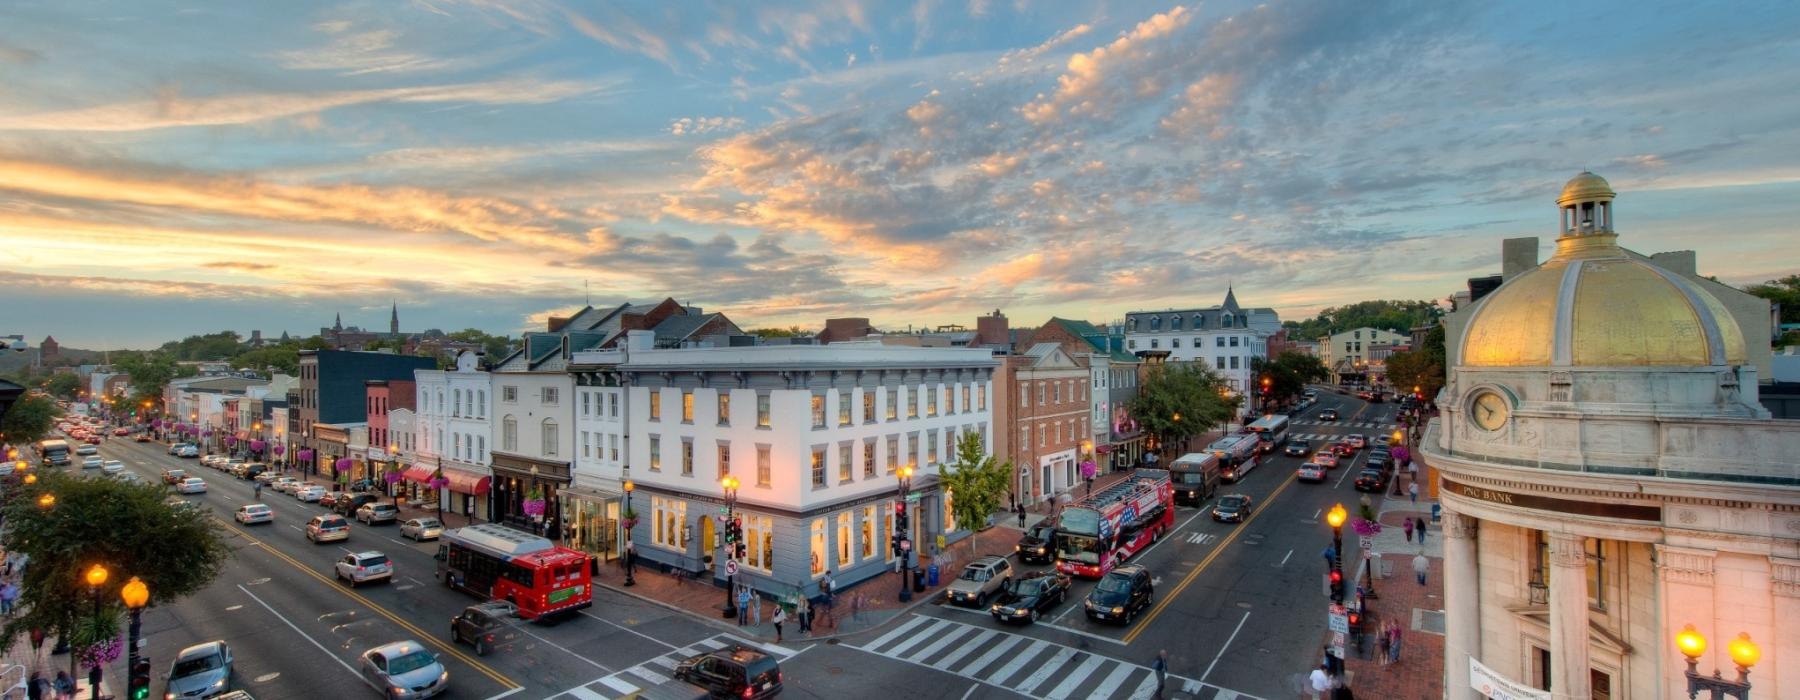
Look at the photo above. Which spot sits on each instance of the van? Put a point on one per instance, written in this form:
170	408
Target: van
1195	476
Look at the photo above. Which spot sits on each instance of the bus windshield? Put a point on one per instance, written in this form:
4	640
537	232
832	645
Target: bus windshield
1191	477
1080	521
1078	549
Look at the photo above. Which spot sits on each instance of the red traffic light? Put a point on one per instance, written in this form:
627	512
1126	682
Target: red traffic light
1355	618
1337	577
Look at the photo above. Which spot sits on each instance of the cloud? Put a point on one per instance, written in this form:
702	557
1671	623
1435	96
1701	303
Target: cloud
1030	55
360	53
621	32
14	54
704	125
1087	88
238	266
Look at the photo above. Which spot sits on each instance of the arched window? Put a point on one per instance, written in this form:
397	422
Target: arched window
1226	320
1199	321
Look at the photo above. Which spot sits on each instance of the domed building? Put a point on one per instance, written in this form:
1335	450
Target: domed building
1608	477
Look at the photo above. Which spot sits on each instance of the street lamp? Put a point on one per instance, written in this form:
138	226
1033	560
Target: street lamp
47	500
1335	517
136	595
96	577
730	485
630	519
903	545
1743	653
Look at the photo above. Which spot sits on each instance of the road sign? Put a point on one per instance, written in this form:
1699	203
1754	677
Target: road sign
1340	623
730	567
1366	542
1337	644
912	498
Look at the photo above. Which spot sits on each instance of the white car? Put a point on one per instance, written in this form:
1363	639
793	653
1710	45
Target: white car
254	513
212	460
284	484
1310	472
113	467
310	493
92	462
188	451
87	450
192	484
362	567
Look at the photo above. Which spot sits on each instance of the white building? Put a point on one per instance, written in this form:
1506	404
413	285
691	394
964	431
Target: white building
1349	355
1608	478
815	436
1225	337
454	432
532	401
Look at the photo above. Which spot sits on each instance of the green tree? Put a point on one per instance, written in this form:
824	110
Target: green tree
213	346
63	385
788	332
283	358
149	373
1287	375
496	346
1422	367
1396	316
1784	291
977	483
29	419
127	528
1180	400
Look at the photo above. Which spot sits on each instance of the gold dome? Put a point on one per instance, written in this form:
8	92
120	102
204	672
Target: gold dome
1586	186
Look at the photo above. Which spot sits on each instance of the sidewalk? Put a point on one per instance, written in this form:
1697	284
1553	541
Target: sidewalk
21	655
1419	675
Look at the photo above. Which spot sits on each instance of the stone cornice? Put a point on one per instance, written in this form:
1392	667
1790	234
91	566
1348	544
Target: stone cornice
1784	577
1682	565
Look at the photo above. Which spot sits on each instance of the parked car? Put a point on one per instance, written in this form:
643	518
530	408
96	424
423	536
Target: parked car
1310	472
192	484
737	672
1357	440
405	670
980	580
421	529
372	513
283	484
121	432
142	437
328	528
330	499
1383	441
173	476
310	493
212	460
1329	413
252	513
175	447
188	451
1120	595
347	505
1232	508
201	671
267	477
1027	598
363	567
1371	480
251	470
1296	448
112	467
1326	459
485	626
1378	459
1037	545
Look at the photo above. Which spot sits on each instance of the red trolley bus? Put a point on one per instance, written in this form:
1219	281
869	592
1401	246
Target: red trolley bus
1098	532
500	563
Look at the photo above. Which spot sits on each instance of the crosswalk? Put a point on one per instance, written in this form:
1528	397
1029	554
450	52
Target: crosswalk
1346	424
1025	665
661	669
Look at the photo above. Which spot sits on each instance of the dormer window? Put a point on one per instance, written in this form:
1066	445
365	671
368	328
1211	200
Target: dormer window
1156	323
1175	323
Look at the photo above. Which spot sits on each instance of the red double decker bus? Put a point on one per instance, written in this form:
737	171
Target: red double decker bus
1100	531
500	563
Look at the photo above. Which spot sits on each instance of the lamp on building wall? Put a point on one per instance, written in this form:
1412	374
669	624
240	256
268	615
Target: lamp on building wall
1744	653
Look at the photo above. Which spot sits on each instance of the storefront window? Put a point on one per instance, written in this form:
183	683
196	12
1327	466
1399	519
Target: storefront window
846	544
949	515
819	551
759	548
593	526
868	533
670	514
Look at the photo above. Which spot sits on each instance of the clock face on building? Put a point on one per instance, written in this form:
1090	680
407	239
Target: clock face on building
1490	410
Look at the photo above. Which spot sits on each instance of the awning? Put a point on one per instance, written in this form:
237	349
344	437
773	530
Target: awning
466	483
419	473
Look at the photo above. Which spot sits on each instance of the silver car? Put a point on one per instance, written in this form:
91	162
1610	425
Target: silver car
405	671
422	529
201	671
372	513
363	567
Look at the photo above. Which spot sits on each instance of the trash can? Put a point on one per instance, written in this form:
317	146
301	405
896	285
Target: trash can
931	575
918	580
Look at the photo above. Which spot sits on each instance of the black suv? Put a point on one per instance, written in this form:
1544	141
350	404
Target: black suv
1328	414
1121	594
737	672
485	625
346	506
1038	544
1297	448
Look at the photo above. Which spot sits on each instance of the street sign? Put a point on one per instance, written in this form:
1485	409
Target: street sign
1366	542
1337	644
730	567
1340	623
912	498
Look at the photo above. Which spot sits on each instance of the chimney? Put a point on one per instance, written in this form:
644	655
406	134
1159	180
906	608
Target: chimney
1680	262
992	329
1518	255
557	323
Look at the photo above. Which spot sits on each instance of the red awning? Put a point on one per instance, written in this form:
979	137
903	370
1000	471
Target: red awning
464	482
419	473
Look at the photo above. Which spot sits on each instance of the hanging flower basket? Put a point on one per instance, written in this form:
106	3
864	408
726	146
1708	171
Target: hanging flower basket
342	464
280	448
438	482
101	654
630	521
258	446
231	441
391	477
1366	528
534	504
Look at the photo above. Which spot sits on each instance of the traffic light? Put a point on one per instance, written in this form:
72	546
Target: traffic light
139	680
1337	586
1355	619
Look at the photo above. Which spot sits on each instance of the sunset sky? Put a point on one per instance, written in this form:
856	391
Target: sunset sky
168	168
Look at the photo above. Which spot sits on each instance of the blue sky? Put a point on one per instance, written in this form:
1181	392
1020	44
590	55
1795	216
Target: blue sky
172	168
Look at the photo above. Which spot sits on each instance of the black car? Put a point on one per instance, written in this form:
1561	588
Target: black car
1121	594
346	506
485	626
1379	459
1038	544
1232	508
1297	448
737	672
1026	599
1328	414
1371	480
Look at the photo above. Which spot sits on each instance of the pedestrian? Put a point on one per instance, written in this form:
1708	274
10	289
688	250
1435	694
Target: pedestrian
1394	644
1381	642
34	688
779	617
1161	667
64	685
1413	490
743	604
1420	566
1421	529
825	588
1320	680
803	608
1409	529
9	593
1021	508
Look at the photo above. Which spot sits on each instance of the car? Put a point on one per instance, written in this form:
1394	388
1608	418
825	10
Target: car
1383	441
175	447
93	463
267	477
91	439
330	499
250	470
1232	508
363	567
212	460
1326	459
188	451
142	437
252	513
121	432
192	484
485	626
1038	544
179	503
980	580
1310	472
421	529
85	450
1120	594
1371	480
1357	440
327	528
1328	414
1377	397
405	671
128	477
1310	393
310	493
284	484
173	476
372	513
347	505
735	672
112	466
1343	448
201	671
1378	460
1296	448
1026	599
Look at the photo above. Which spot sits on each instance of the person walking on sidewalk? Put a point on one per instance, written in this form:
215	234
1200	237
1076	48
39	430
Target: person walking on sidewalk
1320	682
1394	643
803	610
1413	491
779	617
64	685
1421	529
1021	509
1420	566
1381	642
1409	529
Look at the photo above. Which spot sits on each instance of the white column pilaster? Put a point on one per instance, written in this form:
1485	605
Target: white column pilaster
1568	617
1784	646
1462	603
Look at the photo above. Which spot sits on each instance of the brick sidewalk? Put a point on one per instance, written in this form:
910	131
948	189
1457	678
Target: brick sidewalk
1419	609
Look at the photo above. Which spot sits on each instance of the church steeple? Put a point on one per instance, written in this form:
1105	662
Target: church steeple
338	325
1231	301
394	320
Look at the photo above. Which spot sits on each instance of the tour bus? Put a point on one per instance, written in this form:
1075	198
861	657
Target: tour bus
495	562
1196	477
1100	531
53	453
1237	453
1272	429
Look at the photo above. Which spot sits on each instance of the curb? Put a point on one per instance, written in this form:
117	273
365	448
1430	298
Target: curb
721	624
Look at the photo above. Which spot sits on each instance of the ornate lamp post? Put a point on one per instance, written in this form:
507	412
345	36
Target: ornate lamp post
136	595
1743	653
730	485
1335	517
96	577
903	544
630	520
47	500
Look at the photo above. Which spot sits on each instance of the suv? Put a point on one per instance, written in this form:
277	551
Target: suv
363	567
1038	544
982	578
485	625
372	513
1328	414
346	505
737	672
201	671
1120	594
327	528
1296	448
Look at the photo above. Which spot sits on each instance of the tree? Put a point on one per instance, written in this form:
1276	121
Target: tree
788	332
149	373
496	346
1423	367
1396	316
1287	375
1784	291
1180	400
212	346
63	385
977	483
29	419
283	358
126	527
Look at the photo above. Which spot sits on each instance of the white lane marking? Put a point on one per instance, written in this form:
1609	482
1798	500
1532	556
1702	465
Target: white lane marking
565	650
1165	537
297	630
628	629
1199	537
509	692
1089	635
972	688
230	608
264	678
895	633
1285	559
1234	634
297	527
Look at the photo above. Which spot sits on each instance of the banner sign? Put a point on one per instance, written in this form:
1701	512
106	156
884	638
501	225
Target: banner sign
1498	687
